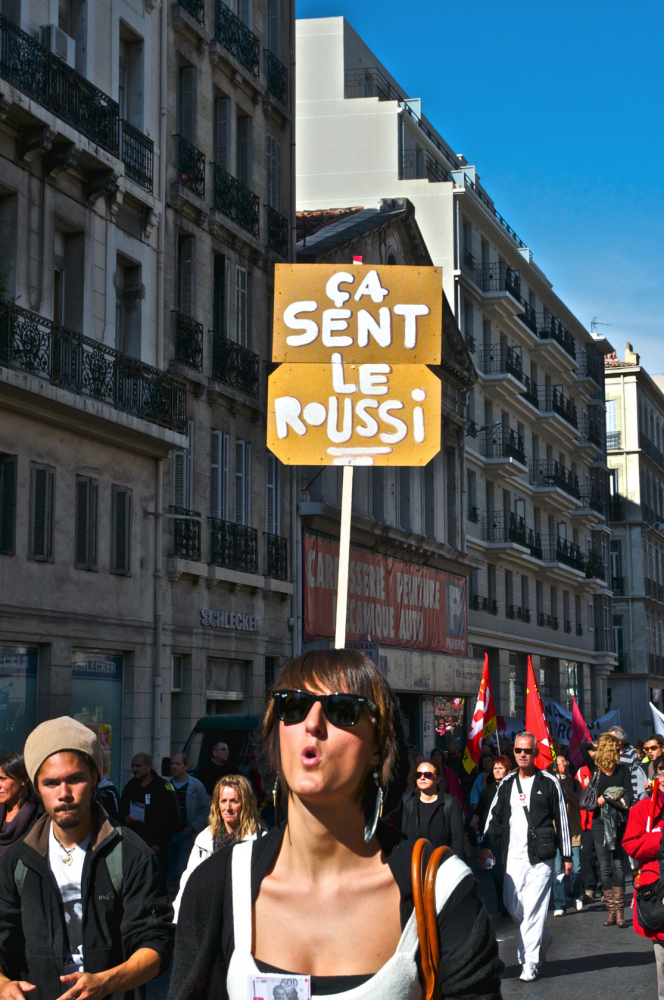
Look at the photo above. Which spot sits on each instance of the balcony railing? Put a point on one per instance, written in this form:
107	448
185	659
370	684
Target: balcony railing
592	499
36	345
651	450
470	343
277	78
473	514
618	585
531	390
500	359
529	317
547	621
616	509
478	603
277	232
420	164
234	546
186	533
552	398
236	201
595	569
503	442
649	514
517	613
469	260
235	365
236	38
656	664
369	82
471	429
191	167
49	81
579	628
592	430
613	440
568	626
552	474
500	277
188	341
137	154
534	543
276	549
554	330
653	589
563	551
501	526
591	366
196	8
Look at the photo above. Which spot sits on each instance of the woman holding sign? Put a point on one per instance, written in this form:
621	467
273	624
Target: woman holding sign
327	901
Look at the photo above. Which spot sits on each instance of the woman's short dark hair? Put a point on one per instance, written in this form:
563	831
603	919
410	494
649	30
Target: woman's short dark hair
352	672
12	765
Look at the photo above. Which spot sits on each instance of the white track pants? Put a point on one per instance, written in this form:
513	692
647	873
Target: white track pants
526	894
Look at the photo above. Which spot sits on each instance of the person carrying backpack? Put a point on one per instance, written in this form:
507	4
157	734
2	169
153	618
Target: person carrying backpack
84	909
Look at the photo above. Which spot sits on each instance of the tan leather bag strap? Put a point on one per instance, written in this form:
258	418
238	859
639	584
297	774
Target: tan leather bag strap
424	898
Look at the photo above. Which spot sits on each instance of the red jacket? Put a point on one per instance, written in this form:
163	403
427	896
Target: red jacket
583	776
644	847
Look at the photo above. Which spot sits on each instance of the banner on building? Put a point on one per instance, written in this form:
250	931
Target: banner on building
560	723
392	602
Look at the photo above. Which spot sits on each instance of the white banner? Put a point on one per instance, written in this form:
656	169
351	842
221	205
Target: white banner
560	723
657	720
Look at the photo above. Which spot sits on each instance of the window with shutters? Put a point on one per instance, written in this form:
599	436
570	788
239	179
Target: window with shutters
221	130
120	530
8	465
244	11
219	450
242	482
183	473
42	501
241	306
272	495
185	290
244	150
187	104
219	296
274	27
85	556
273	168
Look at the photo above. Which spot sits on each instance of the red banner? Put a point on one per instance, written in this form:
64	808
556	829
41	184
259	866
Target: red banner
396	603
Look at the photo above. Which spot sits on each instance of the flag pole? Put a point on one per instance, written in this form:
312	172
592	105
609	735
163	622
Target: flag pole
344	557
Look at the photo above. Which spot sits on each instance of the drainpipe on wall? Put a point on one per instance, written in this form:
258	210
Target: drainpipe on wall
158	615
295	561
296	523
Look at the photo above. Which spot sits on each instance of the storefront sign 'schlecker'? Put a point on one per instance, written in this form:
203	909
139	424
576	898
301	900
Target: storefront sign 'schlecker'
397	603
215	618
354	388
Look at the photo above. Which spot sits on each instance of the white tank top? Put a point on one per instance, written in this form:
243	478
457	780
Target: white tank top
397	979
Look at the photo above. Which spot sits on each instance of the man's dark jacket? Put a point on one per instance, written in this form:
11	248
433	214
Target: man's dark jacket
161	813
443	824
33	926
547	809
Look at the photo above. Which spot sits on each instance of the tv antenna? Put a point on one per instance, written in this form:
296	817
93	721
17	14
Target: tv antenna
594	323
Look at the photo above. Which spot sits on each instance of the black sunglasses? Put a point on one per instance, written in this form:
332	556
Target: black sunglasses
341	710
426	774
527	750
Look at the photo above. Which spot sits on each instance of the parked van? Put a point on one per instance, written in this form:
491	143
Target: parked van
239	732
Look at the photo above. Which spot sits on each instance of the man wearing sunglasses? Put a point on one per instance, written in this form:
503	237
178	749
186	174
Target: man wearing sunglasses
653	747
432	813
529	815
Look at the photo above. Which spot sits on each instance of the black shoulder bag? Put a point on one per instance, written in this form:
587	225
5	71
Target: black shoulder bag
589	794
543	841
649	899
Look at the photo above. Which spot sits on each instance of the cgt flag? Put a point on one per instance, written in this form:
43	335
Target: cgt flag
579	734
484	720
536	720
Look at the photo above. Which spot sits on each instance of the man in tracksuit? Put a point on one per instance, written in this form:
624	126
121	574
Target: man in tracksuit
84	910
530	817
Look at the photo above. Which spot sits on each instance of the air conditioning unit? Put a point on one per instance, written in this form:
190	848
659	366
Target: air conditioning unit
56	41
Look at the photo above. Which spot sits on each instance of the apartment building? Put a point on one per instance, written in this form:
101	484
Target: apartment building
635	443
134	318
406	521
535	455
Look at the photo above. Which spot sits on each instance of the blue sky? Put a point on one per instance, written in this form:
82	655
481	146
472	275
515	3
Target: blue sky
559	106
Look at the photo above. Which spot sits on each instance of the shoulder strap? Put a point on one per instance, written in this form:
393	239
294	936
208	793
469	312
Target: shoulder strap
114	862
20	872
525	807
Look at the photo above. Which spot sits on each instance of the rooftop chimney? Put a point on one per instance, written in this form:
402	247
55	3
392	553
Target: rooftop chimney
631	357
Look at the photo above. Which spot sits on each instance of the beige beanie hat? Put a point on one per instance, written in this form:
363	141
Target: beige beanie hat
55	736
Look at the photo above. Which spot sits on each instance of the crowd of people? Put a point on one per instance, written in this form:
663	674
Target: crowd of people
98	889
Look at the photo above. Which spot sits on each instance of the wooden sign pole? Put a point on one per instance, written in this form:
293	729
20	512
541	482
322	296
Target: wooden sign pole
344	557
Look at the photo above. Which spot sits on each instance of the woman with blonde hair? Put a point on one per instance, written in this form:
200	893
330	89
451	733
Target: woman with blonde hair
233	817
609	775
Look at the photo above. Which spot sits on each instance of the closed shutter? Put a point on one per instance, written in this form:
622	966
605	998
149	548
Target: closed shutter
219	295
273	162
241	306
273	26
121	530
221	107
41	511
244	11
180	479
188	104
240	484
219	475
186	254
272	500
86	523
244	151
7	505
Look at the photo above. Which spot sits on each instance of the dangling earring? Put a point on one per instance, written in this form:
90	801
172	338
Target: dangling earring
276	801
370	827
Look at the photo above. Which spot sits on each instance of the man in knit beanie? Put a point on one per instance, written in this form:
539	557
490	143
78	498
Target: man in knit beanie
84	909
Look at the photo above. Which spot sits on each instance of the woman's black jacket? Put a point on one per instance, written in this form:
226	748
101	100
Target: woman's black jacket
441	825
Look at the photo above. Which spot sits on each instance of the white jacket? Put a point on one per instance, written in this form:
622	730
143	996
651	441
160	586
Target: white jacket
202	849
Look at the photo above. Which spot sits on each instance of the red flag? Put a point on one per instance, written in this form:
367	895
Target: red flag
536	720
484	720
579	734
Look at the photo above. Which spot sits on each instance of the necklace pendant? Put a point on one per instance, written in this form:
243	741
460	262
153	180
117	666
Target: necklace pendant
67	859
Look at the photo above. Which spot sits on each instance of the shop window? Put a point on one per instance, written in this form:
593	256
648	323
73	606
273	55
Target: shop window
450	725
87	490
219	449
96	701
7	504
225	679
42	499
120	530
18	694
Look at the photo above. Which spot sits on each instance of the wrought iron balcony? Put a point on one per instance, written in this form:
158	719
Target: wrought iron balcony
186	533
592	499
534	543
420	164
470	343
473	514
67	359
137	154
551	474
653	589
277	232
236	38
500	359
500	526
591	366
235	365
656	664
236	201
547	621
369	82
276	550
517	613
613	441
568	626
478	603
469	260
234	546
500	277
503	442
553	399
579	628
618	585
529	317
554	330
531	391
188	341
471	429
196	8
191	167
563	551
277	78
651	450
592	430
616	509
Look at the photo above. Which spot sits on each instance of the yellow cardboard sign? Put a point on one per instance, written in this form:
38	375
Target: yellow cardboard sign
364	313
349	414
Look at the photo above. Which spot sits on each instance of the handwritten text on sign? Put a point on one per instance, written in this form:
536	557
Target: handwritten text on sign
396	603
382	314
